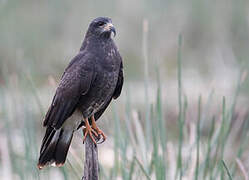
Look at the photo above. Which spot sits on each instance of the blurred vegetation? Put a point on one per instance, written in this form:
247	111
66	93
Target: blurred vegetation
183	113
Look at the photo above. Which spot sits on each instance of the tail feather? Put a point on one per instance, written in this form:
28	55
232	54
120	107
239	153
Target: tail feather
55	146
62	147
47	138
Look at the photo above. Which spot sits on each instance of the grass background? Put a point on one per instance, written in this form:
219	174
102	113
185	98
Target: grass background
183	112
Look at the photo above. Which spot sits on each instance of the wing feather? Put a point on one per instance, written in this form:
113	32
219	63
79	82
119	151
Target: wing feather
120	82
75	82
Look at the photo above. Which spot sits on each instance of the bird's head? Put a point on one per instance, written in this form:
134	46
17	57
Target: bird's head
102	27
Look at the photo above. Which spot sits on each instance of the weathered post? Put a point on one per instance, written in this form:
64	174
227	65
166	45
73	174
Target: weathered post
91	165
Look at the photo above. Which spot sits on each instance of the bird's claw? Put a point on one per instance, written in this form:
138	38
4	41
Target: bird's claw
94	132
91	132
100	134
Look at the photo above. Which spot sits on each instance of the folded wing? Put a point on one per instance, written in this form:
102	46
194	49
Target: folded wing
75	82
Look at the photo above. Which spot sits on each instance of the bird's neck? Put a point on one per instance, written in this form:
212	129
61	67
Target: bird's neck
93	42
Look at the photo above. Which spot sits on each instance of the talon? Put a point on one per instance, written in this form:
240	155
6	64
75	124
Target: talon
101	141
95	134
88	130
100	133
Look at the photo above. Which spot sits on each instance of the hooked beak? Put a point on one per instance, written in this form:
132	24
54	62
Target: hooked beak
110	27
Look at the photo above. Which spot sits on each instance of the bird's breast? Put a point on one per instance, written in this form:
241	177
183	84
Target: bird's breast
100	92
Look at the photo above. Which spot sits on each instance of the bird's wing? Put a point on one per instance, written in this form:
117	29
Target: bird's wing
120	82
75	81
116	93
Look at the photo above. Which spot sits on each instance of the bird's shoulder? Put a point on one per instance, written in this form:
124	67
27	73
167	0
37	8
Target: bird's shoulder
78	75
83	60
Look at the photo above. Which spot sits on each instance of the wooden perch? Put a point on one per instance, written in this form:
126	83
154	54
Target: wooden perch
91	166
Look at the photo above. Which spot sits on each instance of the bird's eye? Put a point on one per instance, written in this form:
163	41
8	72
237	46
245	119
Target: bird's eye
101	23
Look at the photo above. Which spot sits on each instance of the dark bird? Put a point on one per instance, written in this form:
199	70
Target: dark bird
91	80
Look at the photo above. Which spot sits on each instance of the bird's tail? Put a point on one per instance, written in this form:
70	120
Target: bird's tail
55	145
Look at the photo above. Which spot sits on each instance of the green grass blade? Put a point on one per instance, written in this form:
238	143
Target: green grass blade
180	117
146	81
198	139
207	161
117	134
140	140
227	170
131	171
161	126
142	168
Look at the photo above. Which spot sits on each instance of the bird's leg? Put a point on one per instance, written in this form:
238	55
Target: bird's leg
94	126
89	130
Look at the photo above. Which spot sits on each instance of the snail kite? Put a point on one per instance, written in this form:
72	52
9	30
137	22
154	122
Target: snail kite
92	79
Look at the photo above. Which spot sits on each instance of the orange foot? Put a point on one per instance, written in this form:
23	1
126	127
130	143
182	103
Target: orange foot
88	130
99	132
